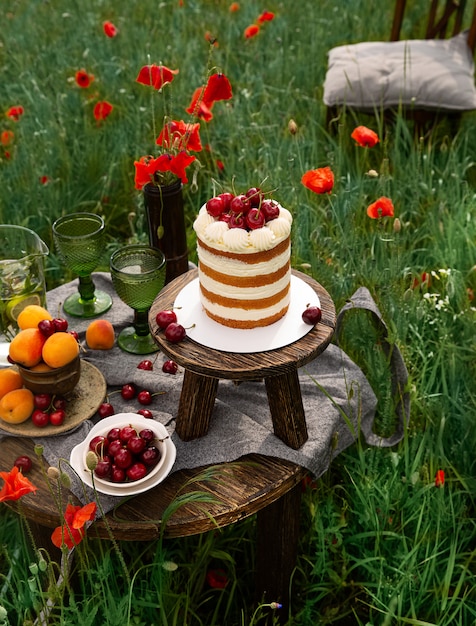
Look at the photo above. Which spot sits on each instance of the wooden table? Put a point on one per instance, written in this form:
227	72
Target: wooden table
267	486
279	368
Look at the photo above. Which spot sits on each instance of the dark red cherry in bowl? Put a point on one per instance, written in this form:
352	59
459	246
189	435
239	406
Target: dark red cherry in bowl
312	315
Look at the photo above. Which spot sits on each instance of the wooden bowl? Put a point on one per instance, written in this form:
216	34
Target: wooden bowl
59	381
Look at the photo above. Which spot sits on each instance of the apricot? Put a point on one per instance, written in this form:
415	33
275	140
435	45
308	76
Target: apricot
26	347
41	367
59	349
10	379
100	335
31	315
16	406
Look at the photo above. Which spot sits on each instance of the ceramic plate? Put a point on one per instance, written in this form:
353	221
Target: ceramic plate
77	457
83	402
209	333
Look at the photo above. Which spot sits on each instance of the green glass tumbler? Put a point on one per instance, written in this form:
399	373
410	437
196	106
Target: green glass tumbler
79	240
138	274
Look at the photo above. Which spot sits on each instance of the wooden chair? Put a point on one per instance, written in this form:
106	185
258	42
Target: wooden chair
424	79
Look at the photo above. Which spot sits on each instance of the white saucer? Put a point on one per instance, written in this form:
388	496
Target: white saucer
78	453
209	333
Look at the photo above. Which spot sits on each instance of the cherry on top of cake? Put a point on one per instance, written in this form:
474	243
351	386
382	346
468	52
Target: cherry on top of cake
250	210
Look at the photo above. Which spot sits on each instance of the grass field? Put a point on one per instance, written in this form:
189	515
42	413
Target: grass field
381	543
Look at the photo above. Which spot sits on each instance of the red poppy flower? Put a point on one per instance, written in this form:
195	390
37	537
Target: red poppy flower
320	180
72	531
83	79
180	135
198	108
155	75
16	485
102	110
365	137
44	180
109	29
217	578
251	31
266	16
234	7
15	112
179	164
212	40
382	207
218	87
6	138
440	478
421	281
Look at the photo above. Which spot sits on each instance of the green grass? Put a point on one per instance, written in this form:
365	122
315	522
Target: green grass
380	543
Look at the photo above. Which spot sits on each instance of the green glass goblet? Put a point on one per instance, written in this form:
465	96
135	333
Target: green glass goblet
138	274
79	240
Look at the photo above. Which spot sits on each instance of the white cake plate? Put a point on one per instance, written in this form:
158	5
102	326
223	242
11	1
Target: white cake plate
207	332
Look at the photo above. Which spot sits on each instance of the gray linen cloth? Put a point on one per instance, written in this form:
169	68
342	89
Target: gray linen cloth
338	401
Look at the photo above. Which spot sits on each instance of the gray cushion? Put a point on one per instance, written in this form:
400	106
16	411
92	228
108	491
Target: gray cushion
429	74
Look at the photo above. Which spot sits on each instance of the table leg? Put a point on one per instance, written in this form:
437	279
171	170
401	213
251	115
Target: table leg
197	400
287	410
276	549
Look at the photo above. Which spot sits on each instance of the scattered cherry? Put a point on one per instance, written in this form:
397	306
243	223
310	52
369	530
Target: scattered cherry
59	403
144	397
146	364
175	332
24	463
128	391
165	318
42	401
147	413
46	327
74	333
105	410
312	315
40	418
57	417
60	324
170	367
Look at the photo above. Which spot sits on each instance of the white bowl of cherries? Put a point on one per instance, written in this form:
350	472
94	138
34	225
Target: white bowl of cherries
125	450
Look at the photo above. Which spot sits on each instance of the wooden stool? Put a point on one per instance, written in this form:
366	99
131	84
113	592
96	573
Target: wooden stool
267	486
205	366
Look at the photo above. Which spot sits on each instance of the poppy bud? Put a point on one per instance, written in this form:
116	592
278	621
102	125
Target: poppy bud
292	127
397	225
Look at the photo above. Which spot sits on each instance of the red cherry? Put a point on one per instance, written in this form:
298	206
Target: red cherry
240	204
175	333
99	445
118	475
61	325
46	327
146	364
105	410
254	196
226	197
144	397
40	418
170	367
150	456
113	433
147	435
42	401
136	471
126	433
215	206
128	392
225	217
24	463
270	210
123	458
57	417
136	444
114	447
59	403
312	315
146	413
74	333
237	220
255	218
164	318
103	468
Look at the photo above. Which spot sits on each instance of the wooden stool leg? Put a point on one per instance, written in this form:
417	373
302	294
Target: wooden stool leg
287	410
276	550
196	405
